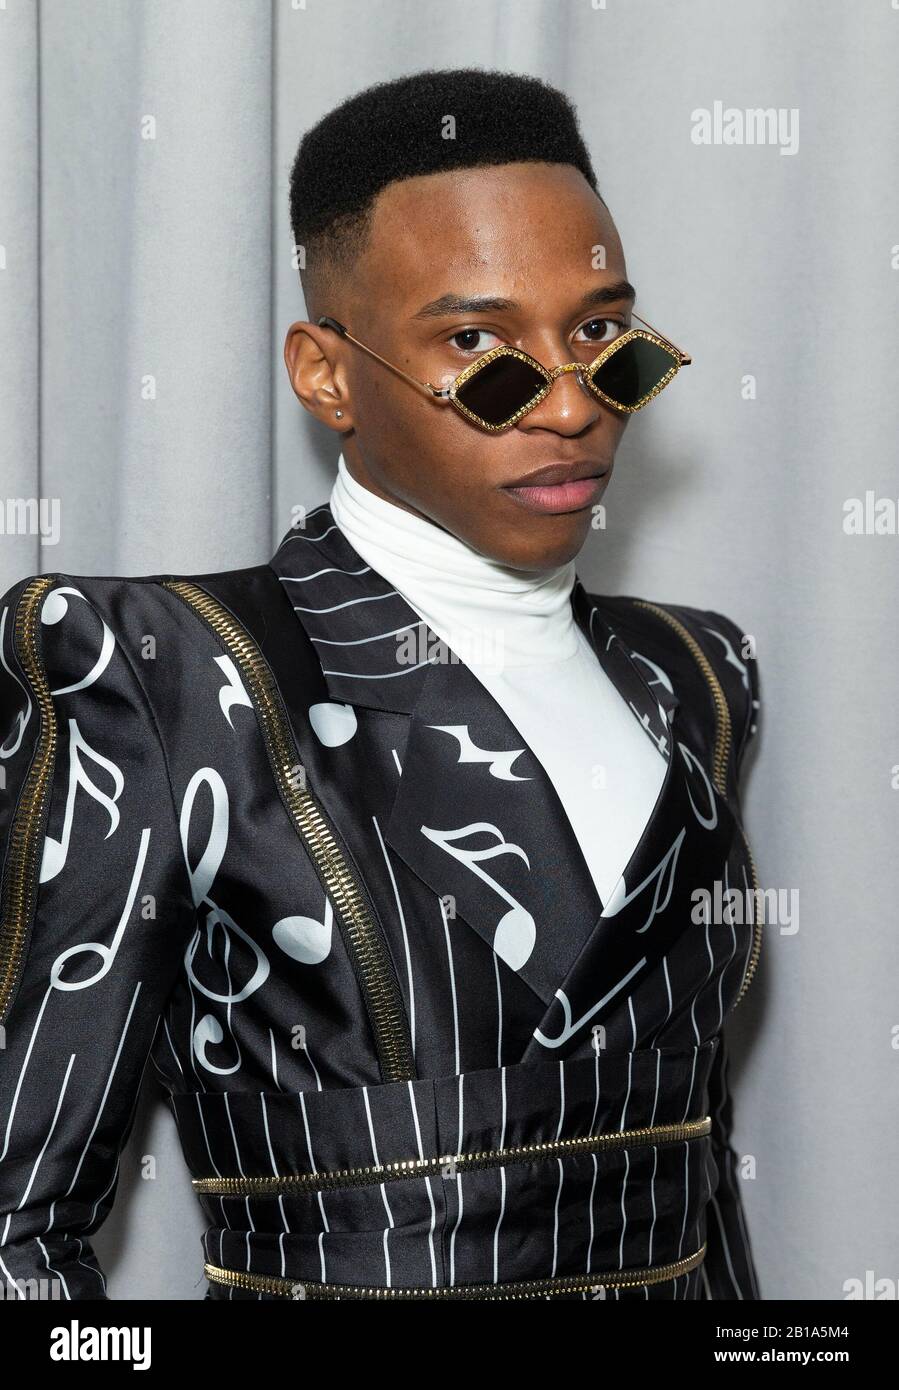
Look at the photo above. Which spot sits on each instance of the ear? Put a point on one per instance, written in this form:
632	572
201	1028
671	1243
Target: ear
313	358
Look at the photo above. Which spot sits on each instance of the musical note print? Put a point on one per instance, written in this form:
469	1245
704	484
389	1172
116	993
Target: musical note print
571	1026
107	954
730	655
661	878
516	931
469	752
55	851
694	765
54	609
303	938
333	724
234	693
8	749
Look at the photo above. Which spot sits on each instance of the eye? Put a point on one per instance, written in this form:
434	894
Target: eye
602	331
474	340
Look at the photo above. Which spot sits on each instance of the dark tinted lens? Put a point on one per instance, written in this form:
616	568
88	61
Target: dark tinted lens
500	388
633	371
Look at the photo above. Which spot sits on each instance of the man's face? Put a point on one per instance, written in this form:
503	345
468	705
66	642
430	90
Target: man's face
524	233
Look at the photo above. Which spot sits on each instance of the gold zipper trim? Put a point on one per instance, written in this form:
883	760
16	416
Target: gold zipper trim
723	727
20	878
451	1164
303	1289
379	987
722	749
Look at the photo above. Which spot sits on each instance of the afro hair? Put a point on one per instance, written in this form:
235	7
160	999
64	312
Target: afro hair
395	130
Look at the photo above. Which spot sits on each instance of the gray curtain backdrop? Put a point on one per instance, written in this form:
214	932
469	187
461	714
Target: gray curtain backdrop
146	285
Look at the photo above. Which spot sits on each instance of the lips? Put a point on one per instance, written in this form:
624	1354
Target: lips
571	496
559	473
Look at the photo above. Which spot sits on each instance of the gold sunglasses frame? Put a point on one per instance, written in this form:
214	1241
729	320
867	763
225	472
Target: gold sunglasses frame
550	376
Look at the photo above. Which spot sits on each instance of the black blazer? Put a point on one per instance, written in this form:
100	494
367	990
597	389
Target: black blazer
262	827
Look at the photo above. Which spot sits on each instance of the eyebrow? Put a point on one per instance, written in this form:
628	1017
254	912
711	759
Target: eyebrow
449	304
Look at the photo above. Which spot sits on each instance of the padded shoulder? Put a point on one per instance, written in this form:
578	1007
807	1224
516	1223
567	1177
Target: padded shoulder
728	649
731	651
75	718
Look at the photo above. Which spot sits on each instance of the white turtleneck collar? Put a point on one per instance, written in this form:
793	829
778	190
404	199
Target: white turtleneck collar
487	612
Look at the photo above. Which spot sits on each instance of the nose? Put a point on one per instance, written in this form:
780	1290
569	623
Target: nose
570	406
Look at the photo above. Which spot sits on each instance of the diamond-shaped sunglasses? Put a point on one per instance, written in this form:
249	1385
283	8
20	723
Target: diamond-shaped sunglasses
504	383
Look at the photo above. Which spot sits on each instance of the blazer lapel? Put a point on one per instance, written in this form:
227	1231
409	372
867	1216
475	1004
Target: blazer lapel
644	685
686	839
476	815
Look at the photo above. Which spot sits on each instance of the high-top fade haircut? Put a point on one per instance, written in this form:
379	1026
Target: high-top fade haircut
401	129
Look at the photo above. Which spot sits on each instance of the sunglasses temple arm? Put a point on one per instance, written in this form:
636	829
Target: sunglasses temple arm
684	357
414	381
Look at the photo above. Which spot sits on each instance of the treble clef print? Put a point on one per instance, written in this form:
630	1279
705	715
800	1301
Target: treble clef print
202	876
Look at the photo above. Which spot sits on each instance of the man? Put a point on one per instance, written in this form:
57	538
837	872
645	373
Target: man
414	850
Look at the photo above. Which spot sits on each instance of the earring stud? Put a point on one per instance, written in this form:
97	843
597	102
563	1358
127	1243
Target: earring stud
339	414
